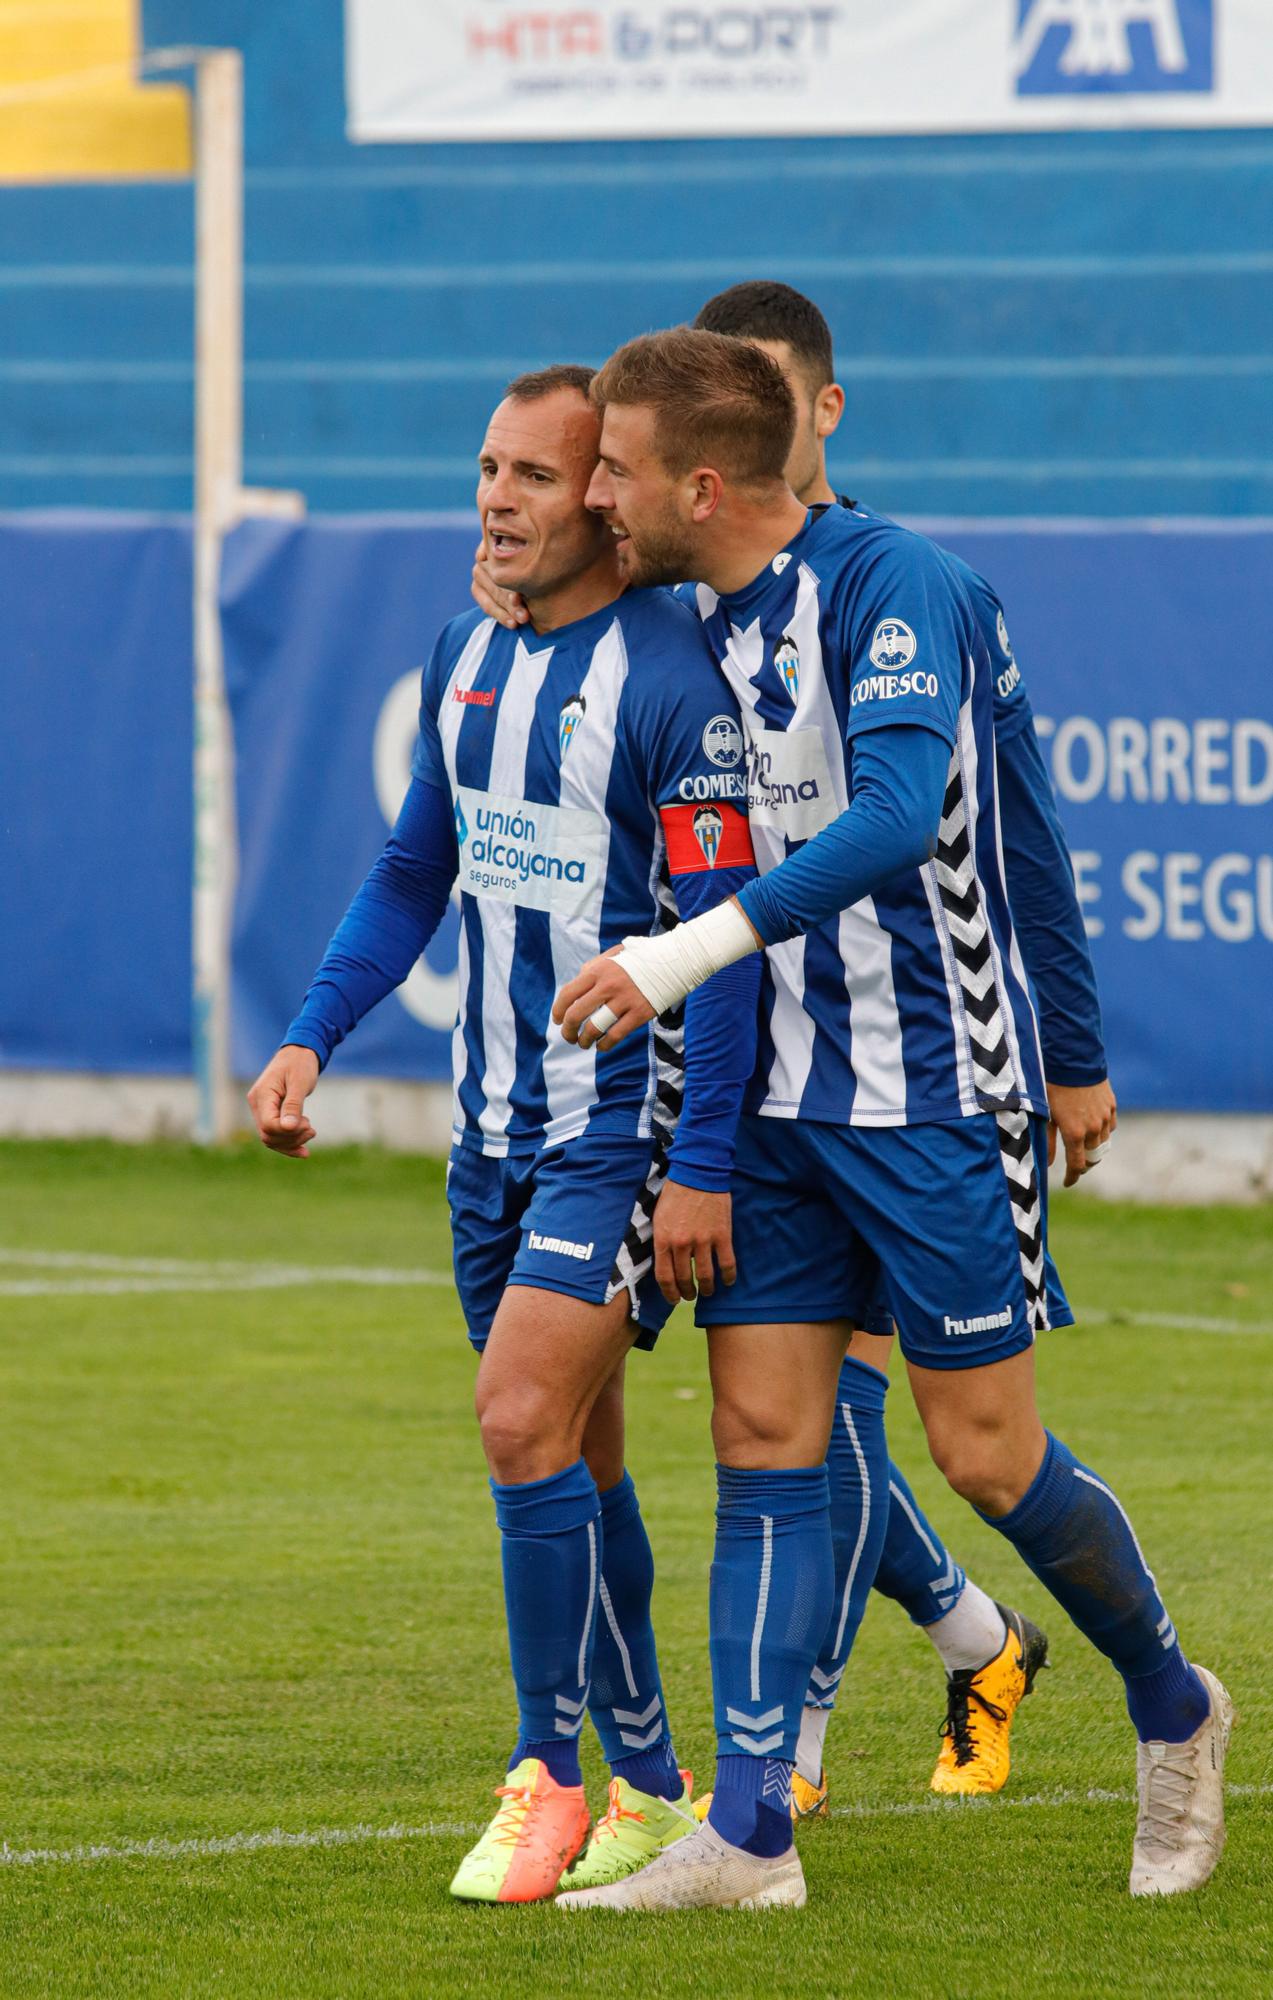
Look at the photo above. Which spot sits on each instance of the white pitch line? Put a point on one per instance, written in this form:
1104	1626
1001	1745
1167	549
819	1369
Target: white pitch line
117	1276
1185	1322
357	1836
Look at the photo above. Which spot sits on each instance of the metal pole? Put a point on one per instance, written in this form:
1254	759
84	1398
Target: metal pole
218	481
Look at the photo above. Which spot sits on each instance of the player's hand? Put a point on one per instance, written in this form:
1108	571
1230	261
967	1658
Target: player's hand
277	1101
504	606
1084	1116
693	1235
602	983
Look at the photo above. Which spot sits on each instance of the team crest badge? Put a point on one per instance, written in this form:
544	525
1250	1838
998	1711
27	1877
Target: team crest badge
723	742
708	828
572	714
461	824
893	644
787	661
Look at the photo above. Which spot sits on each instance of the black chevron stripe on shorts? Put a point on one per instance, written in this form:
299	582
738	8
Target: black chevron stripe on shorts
1016	1151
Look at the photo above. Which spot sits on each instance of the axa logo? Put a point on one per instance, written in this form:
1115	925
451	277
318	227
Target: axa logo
979	1323
1128	46
787	661
708	828
572	715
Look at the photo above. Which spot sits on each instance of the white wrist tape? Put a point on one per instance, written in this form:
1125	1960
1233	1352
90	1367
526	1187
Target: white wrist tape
666	968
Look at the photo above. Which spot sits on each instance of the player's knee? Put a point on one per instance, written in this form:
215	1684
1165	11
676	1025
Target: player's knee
980	1464
756	1437
522	1432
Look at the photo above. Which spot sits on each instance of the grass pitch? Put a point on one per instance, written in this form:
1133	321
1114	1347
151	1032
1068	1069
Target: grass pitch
250	1592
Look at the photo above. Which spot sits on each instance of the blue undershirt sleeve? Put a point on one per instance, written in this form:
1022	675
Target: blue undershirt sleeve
388	924
721	1018
899	783
1046	913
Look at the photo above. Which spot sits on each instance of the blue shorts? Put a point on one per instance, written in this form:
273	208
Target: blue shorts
952	1217
575	1218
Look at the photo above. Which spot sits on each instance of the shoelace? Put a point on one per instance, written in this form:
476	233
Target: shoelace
514	1821
959	1722
1168	1791
615	1814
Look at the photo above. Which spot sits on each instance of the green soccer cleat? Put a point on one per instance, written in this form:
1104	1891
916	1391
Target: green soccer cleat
636	1827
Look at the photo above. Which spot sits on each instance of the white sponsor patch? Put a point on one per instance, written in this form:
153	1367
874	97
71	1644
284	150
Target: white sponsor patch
723	741
789	782
517	851
893	644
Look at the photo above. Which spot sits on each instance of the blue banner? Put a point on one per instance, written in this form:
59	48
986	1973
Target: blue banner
1146	653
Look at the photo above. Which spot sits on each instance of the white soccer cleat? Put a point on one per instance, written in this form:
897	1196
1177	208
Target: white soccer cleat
701	1872
1180	1790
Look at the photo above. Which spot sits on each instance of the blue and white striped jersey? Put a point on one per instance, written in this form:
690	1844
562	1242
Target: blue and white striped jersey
912	1006
587	768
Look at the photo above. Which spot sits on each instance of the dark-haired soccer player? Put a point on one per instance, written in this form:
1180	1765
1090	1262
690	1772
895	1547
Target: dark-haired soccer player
898	1112
990	1654
560	773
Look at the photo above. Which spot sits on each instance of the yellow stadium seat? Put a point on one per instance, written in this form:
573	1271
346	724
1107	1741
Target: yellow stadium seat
70	107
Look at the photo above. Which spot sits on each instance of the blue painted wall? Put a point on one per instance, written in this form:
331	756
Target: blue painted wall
1026	325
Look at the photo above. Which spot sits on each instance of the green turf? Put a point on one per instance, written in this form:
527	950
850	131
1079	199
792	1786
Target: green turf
249	1579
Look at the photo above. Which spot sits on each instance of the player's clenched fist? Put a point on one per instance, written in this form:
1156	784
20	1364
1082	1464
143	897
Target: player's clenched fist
603	984
277	1100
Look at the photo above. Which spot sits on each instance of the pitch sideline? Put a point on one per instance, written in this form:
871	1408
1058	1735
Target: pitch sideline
277	1838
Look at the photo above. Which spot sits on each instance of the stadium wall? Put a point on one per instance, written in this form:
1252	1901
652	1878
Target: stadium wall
1026	323
1145	651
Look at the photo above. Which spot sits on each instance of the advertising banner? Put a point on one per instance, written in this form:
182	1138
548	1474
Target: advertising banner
1146	654
613	69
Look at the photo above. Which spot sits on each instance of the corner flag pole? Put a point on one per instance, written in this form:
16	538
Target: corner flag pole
220	501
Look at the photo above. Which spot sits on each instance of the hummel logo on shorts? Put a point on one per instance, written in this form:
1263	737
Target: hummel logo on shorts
561	1246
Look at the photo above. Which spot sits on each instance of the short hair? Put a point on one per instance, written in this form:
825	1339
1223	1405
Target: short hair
763	309
539	382
716	401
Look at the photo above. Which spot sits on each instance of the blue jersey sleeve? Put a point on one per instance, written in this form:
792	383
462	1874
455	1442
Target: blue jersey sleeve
1045	909
905	633
388	924
690	744
899	782
427	762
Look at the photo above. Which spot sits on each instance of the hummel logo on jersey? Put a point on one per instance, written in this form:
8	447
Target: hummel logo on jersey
572	714
982	1323
475	697
787	661
893	644
708	828
560	1246
723	741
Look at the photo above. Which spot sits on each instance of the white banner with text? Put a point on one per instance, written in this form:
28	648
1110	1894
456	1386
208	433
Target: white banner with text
613	69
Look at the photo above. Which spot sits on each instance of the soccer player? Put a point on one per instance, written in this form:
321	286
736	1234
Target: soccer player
582	779
898	1110
990	1653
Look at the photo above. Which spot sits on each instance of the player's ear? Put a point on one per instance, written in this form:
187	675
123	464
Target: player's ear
828	409
706	488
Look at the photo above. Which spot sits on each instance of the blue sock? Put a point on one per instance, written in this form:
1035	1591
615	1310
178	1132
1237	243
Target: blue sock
915	1569
551	1535
772	1582
626	1702
857	1472
1074	1535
